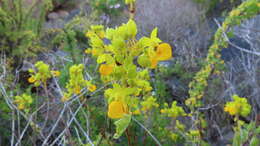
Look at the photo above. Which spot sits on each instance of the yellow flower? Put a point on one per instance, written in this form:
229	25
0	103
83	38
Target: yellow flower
64	98
116	110
89	34
239	106
174	136
163	52
87	51
149	103
23	101
232	110
234	13
101	34
77	90
55	73
94	52
21	106
105	69
92	88
194	133
174	111
137	112
163	111
154	62
31	79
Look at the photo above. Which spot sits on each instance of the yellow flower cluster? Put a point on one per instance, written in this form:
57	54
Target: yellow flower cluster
92	88
42	74
149	103
55	73
23	101
116	51
175	110
146	105
77	82
194	133
239	106
235	13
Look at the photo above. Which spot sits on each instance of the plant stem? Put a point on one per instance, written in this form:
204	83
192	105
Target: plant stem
128	137
154	138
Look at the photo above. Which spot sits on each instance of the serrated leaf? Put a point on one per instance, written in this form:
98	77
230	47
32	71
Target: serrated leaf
121	125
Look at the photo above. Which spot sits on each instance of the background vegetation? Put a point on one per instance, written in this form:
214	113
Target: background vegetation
129	72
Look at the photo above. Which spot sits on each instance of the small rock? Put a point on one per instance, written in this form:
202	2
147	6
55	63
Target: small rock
63	14
53	16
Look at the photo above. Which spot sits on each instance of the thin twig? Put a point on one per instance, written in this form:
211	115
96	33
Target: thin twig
153	137
234	45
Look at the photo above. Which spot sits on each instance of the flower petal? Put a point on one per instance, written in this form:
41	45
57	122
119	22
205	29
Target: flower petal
164	52
116	110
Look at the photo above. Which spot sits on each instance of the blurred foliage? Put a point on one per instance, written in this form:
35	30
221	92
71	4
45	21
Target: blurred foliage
247	134
58	4
214	65
217	7
71	38
132	113
21	27
111	7
20	32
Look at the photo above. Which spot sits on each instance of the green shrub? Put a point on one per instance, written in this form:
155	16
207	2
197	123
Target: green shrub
20	27
214	7
112	7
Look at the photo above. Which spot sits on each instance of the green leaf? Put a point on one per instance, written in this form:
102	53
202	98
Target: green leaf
110	33
144	61
250	126
132	29
131	71
129	1
244	135
118	43
236	139
254	141
145	42
154	33
257	130
105	58
121	125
